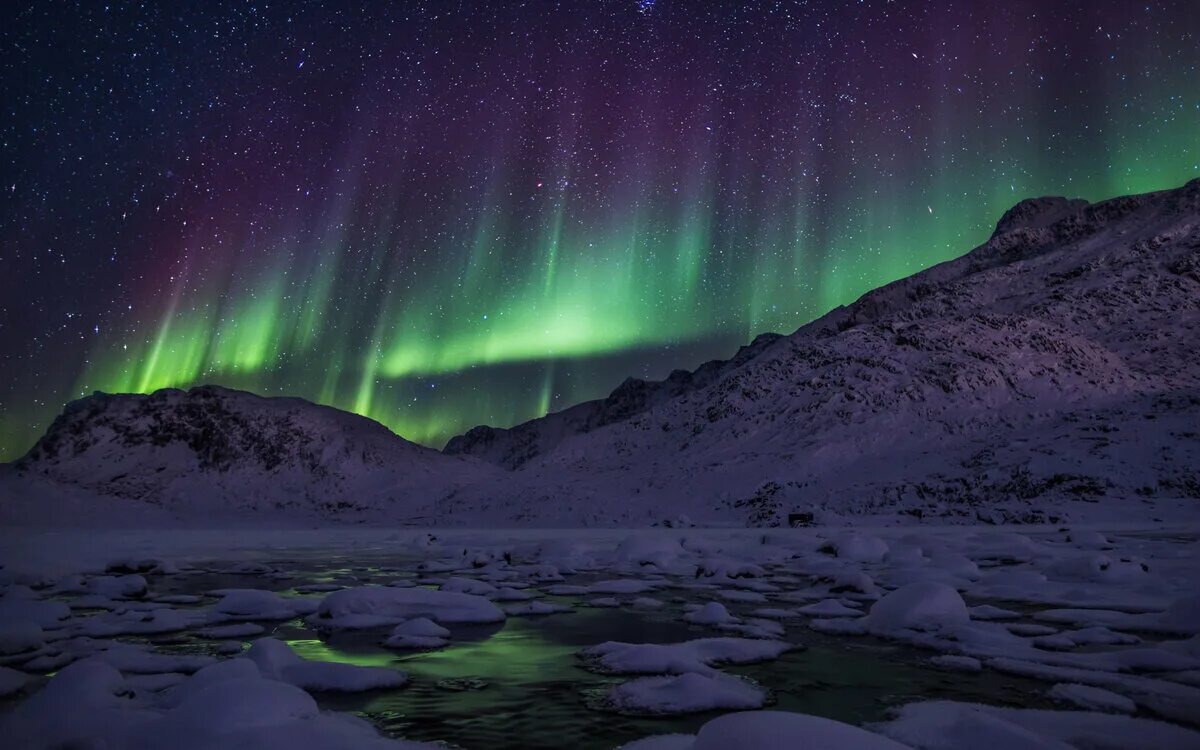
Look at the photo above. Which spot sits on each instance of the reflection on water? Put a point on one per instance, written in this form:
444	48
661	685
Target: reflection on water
535	692
520	685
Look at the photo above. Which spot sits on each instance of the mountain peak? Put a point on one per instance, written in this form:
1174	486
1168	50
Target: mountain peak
220	425
979	385
1047	373
1034	213
211	445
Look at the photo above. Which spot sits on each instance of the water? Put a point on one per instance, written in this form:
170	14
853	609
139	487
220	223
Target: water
539	695
521	685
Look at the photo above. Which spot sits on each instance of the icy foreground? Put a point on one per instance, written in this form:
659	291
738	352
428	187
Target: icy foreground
1100	629
1050	375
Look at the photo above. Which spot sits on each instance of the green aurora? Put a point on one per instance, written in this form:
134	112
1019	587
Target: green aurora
574	305
391	247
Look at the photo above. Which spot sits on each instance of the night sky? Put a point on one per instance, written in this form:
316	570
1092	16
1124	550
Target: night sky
450	213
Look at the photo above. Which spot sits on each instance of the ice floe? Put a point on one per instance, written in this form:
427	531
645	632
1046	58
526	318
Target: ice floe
699	655
771	730
276	660
690	692
948	725
374	606
91	704
419	632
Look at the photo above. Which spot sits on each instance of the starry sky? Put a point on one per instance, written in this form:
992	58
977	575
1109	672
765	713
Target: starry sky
441	214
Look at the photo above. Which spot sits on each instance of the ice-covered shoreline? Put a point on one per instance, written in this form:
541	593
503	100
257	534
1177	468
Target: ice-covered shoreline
54	548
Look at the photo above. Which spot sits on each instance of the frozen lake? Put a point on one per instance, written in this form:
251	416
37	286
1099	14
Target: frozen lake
521	684
799	621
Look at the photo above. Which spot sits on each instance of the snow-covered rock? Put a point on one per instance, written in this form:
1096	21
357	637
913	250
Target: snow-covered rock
1091	698
957	663
992	612
771	730
654	552
227	669
698	655
918	606
1088	539
140	659
136	622
829	608
276	660
235	630
948	725
419	632
713	613
467	586
91	704
510	594
118	587
690	692
856	547
78	705
255	604
374	606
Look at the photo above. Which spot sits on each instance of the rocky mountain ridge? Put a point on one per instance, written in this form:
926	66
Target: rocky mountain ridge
216	450
1053	366
1051	373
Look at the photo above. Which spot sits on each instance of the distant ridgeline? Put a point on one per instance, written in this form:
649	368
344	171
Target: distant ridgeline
1051	373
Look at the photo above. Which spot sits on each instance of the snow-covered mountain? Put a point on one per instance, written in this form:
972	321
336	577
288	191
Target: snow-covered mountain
513	447
212	451
1052	373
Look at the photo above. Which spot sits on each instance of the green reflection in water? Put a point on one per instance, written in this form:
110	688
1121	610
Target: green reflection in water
518	653
536	689
319	650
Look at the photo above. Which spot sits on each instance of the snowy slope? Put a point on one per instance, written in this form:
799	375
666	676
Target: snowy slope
1051	372
213	451
513	447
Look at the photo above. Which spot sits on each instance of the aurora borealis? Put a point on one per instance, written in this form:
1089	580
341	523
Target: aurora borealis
451	213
